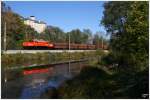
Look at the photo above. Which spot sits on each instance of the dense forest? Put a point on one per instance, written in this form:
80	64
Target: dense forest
17	32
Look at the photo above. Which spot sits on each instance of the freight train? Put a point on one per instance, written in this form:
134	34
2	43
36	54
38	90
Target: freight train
40	44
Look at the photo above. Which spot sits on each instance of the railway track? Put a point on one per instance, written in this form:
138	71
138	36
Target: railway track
43	51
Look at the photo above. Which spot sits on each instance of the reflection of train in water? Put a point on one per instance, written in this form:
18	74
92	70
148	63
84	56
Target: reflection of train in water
40	44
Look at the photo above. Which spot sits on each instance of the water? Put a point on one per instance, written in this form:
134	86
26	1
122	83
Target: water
33	83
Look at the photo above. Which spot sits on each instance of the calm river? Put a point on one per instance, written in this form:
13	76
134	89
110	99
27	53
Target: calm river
32	83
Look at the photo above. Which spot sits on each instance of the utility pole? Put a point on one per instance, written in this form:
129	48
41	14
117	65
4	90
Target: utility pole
102	42
69	53
5	36
98	42
26	34
69	42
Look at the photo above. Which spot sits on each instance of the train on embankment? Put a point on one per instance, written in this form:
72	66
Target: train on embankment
45	45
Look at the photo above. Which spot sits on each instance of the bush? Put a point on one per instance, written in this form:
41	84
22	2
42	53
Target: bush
89	83
93	83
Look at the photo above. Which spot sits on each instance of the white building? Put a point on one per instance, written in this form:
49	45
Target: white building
39	26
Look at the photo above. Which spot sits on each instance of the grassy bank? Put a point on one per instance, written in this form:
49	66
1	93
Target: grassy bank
105	80
11	60
96	83
19	60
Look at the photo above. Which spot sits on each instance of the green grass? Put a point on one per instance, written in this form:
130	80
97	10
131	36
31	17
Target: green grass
12	60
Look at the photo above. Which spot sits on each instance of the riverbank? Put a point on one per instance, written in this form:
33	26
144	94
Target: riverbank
95	83
13	64
13	60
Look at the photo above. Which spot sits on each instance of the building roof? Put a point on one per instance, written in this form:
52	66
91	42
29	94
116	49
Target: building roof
35	21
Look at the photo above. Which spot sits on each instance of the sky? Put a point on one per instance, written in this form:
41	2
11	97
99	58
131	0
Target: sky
63	14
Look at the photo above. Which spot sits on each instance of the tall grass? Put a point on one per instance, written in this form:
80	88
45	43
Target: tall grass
11	60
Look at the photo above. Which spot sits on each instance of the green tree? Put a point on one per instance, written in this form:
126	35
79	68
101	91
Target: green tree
98	39
115	15
75	36
16	30
127	22
54	34
136	38
14	27
87	34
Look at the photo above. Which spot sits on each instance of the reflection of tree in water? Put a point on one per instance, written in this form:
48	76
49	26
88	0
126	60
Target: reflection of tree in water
11	88
50	93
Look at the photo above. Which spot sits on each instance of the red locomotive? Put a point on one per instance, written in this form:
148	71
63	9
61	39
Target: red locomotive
40	44
37	44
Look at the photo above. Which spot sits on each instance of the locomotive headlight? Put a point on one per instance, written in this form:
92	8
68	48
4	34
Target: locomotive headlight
51	45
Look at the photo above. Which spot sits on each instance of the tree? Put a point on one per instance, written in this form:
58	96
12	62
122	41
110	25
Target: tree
99	40
87	35
115	16
14	26
127	22
16	30
54	34
137	37
75	36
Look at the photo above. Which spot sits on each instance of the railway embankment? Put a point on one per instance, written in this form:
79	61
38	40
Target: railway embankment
26	59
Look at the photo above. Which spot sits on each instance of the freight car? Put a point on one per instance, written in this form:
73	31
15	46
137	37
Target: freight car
40	44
